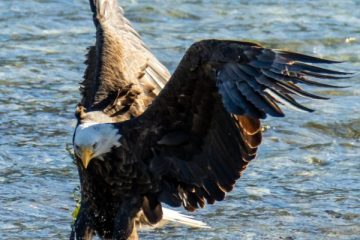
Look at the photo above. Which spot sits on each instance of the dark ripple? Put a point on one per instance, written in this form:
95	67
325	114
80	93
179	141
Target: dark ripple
347	130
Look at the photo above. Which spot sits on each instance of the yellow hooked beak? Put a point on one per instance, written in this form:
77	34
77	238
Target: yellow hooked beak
86	156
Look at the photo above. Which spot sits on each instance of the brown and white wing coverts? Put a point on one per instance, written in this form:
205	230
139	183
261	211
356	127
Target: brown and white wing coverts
119	66
203	129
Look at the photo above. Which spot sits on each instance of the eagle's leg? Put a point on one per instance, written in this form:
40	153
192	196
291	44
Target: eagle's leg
124	226
83	226
134	234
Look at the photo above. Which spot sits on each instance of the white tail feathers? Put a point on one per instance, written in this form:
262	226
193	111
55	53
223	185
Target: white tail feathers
176	217
169	216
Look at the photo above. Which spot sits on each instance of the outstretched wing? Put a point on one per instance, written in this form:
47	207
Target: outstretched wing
202	130
122	75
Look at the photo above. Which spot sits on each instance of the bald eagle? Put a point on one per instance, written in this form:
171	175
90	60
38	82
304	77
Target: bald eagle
145	137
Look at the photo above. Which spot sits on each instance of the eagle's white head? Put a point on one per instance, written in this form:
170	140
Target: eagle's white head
92	140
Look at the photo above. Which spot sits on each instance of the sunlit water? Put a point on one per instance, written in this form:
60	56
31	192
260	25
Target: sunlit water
305	183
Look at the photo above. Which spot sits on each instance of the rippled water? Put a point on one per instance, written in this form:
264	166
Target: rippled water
305	182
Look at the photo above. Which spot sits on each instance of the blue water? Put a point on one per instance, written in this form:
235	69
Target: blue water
305	183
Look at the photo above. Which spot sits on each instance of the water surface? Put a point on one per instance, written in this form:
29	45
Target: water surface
305	181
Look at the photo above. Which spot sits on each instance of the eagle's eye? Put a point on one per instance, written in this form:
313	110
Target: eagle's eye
94	145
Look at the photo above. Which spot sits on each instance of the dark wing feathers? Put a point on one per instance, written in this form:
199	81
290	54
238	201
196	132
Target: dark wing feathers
203	129
304	58
270	74
87	87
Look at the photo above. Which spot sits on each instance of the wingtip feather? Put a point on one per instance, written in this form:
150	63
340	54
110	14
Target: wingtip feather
305	58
